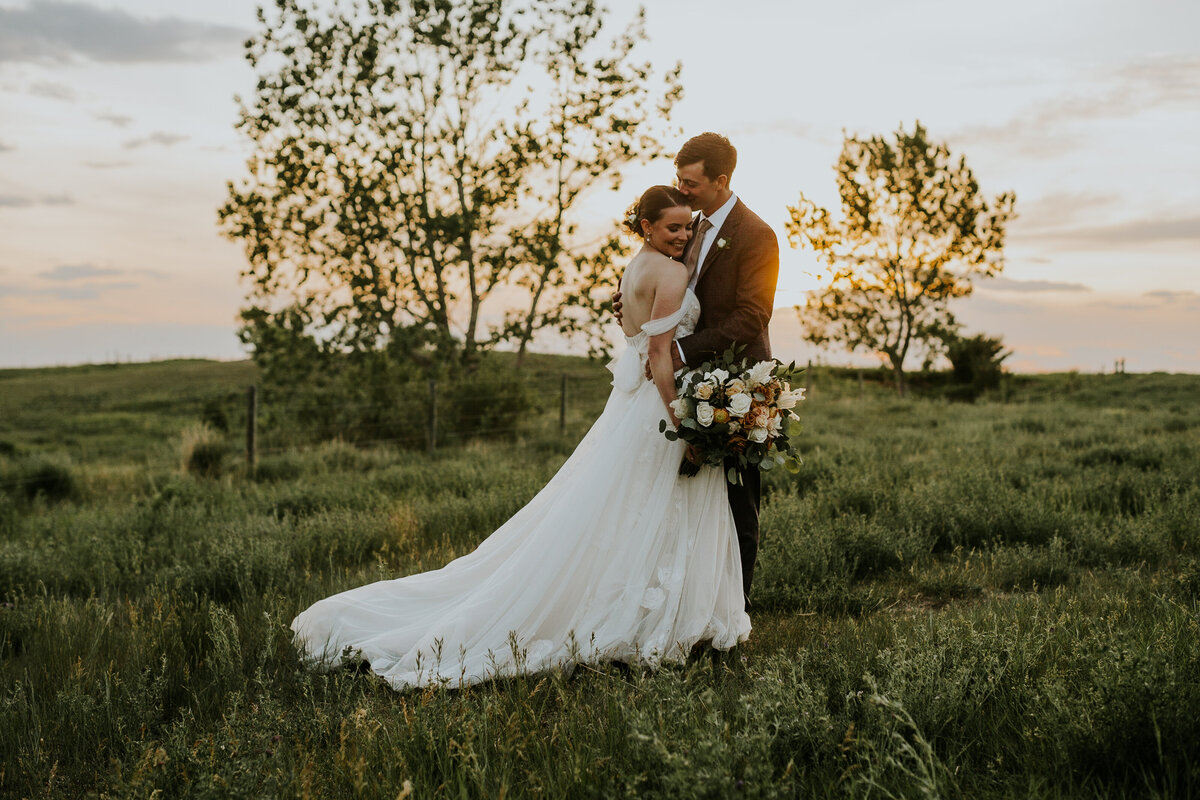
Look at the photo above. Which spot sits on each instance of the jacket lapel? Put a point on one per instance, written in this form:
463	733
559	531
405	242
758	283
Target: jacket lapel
726	232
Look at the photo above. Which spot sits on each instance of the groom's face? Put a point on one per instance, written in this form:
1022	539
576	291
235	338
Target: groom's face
701	191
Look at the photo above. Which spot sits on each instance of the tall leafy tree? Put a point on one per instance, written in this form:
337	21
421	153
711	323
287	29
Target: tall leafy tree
408	162
594	124
913	232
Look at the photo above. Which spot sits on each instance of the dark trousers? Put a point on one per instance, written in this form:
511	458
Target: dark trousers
743	501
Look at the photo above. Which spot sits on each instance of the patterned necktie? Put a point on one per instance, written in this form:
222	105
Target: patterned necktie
693	255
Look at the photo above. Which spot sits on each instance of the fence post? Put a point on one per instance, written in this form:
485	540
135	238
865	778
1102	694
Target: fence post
251	428
431	443
562	405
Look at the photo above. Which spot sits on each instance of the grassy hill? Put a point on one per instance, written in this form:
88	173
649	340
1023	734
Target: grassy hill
998	599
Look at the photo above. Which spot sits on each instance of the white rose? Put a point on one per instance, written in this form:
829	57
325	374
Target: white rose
679	406
760	373
735	386
704	414
704	390
775	426
718	376
739	404
757	435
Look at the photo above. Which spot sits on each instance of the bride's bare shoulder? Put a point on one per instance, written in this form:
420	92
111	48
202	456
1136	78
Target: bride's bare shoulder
665	265
655	257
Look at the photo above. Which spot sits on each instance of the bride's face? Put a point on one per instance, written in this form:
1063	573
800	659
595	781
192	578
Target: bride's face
670	232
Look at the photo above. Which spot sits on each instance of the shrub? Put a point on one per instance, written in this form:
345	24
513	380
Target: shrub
213	415
201	451
50	480
976	363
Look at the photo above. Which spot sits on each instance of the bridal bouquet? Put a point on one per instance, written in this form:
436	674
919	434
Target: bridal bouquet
729	409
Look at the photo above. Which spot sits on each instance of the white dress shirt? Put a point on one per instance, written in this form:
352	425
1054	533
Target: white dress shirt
711	235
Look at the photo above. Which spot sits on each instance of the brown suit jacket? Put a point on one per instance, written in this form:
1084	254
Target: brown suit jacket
736	289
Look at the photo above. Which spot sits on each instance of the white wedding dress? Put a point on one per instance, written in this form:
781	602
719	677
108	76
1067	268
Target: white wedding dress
617	558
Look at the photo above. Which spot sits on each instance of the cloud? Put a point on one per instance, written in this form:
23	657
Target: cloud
119	120
1089	333
62	32
53	91
1050	128
74	291
1174	296
1057	209
106	164
76	282
73	272
158	137
1155	230
1011	285
19	201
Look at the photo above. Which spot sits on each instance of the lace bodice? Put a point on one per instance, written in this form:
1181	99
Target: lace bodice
629	368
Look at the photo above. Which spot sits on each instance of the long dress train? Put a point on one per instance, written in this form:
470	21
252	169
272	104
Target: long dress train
617	558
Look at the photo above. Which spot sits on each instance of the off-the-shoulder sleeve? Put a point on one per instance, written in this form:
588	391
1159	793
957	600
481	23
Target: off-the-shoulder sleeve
663	324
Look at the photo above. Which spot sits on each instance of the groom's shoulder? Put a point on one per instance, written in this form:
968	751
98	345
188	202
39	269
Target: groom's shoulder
753	221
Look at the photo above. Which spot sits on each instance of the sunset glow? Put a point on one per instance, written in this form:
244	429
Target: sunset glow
117	139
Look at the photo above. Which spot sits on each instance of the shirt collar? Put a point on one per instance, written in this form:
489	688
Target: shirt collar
719	216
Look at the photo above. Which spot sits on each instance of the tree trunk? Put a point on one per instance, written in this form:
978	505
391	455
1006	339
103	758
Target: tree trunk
898	375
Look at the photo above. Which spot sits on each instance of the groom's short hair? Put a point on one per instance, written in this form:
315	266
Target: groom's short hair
713	150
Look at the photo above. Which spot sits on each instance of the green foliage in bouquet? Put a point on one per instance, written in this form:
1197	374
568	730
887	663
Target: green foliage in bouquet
731	409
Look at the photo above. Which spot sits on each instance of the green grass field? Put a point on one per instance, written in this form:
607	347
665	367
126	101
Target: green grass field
990	600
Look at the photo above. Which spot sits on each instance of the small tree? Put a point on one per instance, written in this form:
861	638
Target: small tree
976	362
400	174
914	231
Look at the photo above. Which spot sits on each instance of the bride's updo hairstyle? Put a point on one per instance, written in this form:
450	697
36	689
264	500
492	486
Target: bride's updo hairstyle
651	205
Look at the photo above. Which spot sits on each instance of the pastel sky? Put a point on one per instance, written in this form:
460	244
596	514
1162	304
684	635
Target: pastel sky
116	140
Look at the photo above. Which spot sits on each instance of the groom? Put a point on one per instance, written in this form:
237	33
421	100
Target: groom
733	258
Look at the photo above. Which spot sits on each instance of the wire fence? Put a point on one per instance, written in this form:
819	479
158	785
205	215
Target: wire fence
158	428
418	415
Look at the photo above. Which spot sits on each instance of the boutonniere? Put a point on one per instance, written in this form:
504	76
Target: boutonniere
722	243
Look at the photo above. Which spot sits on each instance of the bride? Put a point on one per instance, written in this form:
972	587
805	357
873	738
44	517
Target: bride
618	558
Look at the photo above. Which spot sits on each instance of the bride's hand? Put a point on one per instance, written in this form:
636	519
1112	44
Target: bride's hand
617	305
